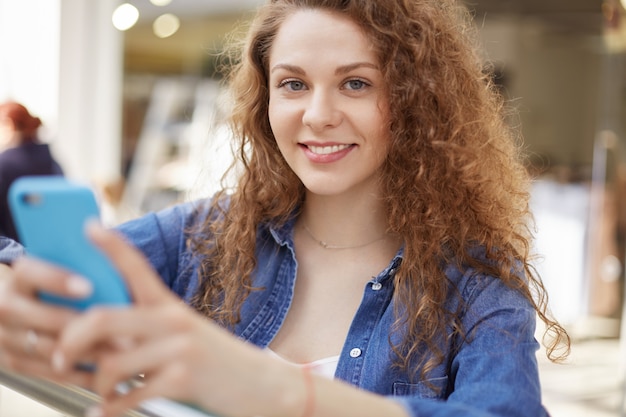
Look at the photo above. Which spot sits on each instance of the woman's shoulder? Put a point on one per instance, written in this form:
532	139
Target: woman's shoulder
174	218
477	276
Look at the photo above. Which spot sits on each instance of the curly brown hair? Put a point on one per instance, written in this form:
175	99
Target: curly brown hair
453	178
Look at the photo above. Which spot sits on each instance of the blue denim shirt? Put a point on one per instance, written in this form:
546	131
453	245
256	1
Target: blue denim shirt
493	373
9	250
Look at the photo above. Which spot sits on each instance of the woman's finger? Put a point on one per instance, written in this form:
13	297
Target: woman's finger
122	326
19	311
39	367
33	276
160	385
150	359
144	283
30	352
29	343
29	328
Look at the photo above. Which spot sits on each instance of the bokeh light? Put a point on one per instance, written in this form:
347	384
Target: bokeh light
166	25
125	16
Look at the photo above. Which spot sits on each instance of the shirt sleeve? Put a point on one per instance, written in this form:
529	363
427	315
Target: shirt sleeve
10	250
163	239
494	372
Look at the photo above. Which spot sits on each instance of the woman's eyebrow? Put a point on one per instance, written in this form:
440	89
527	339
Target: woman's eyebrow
344	69
288	67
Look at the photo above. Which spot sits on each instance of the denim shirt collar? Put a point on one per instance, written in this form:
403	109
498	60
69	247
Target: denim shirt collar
283	236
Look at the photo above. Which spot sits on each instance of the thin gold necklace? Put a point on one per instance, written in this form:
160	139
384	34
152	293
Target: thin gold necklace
326	245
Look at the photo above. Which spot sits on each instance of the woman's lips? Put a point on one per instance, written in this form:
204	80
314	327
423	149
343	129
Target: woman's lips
326	153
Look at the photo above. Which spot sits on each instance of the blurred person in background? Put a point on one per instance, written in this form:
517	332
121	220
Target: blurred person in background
21	154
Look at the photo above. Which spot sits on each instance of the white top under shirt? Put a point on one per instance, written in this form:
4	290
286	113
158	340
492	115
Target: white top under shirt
325	367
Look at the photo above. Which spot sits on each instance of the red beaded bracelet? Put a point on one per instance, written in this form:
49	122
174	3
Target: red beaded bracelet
309	406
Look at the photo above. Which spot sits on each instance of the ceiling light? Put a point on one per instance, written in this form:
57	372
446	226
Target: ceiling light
160	2
125	16
165	25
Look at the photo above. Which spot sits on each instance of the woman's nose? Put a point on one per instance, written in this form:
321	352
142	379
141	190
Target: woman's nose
322	111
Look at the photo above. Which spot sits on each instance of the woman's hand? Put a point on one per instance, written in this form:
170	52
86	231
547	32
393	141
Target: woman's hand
183	355
29	328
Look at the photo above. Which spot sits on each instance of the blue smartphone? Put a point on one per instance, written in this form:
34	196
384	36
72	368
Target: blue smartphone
50	214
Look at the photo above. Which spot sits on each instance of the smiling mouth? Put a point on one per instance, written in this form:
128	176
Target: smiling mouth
326	150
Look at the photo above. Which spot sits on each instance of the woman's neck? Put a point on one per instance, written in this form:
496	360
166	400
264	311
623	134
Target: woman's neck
344	221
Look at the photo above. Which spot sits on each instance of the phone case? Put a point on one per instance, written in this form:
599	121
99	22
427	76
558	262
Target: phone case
49	215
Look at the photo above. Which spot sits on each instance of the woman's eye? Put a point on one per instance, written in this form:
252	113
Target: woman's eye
355	84
293	85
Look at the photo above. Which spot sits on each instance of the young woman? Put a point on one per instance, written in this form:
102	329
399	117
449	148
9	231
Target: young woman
21	154
372	260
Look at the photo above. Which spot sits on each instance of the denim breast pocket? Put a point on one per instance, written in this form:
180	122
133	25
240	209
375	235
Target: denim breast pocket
431	388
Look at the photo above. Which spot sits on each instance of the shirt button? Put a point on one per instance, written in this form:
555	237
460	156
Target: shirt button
355	353
377	286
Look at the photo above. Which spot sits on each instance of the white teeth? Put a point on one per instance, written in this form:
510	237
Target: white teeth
325	150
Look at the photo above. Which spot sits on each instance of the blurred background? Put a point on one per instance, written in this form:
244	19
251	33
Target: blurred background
129	97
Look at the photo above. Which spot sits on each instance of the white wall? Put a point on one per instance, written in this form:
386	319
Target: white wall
29	57
63	60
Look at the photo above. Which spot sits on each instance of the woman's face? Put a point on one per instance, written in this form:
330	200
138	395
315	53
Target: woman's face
328	108
7	132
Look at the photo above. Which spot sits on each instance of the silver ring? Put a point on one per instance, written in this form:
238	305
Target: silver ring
30	344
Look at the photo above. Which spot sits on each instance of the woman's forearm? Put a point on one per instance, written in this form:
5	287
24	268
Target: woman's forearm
294	391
